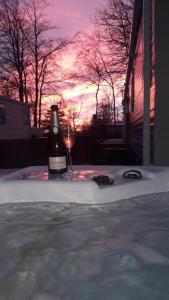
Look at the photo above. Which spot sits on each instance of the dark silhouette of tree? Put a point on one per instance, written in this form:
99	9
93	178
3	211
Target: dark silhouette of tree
103	54
96	67
42	50
106	112
114	22
27	56
72	114
13	46
46	121
89	63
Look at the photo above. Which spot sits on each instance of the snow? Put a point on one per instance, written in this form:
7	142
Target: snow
71	239
4	172
67	251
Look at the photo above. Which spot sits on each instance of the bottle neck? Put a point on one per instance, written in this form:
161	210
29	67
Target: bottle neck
54	122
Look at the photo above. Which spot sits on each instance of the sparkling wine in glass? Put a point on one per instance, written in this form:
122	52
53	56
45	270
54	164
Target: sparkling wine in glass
69	139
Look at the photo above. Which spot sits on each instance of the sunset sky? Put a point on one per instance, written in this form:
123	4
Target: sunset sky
72	16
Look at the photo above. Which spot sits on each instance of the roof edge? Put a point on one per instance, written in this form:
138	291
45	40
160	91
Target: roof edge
8	99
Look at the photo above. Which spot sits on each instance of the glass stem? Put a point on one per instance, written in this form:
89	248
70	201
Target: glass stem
70	159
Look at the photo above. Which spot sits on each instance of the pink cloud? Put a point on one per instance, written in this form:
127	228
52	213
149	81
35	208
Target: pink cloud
72	15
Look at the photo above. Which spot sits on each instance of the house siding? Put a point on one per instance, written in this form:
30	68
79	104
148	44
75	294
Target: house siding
17	124
152	81
156	90
161	116
136	115
136	109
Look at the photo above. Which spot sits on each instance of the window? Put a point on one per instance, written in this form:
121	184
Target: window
2	114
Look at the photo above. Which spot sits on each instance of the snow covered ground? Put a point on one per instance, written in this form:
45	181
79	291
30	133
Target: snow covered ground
53	248
4	172
117	251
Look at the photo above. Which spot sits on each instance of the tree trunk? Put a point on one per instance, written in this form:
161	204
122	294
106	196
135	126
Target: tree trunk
36	81
36	102
21	88
25	87
114	106
97	99
40	110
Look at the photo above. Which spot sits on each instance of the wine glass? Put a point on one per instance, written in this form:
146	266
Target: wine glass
69	139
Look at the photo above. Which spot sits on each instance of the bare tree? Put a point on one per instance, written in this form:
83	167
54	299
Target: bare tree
46	120
13	45
106	112
42	50
90	68
104	53
114	21
26	53
97	67
72	114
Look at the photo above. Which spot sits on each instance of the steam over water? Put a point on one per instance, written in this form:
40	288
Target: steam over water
116	251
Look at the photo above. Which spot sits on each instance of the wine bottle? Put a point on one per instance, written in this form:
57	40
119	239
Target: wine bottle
57	160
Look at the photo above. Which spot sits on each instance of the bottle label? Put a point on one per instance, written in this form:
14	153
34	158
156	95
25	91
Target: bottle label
55	129
57	163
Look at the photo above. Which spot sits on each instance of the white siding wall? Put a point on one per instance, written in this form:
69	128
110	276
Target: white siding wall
14	127
136	95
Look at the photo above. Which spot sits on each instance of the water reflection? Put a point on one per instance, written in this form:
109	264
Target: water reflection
80	175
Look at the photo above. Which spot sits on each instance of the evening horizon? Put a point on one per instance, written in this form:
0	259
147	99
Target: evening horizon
72	17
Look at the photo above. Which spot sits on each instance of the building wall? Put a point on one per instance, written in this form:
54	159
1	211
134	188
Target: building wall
136	98
161	117
152	82
136	107
158	98
15	119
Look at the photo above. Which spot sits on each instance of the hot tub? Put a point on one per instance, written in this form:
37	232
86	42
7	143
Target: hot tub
32	184
76	240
